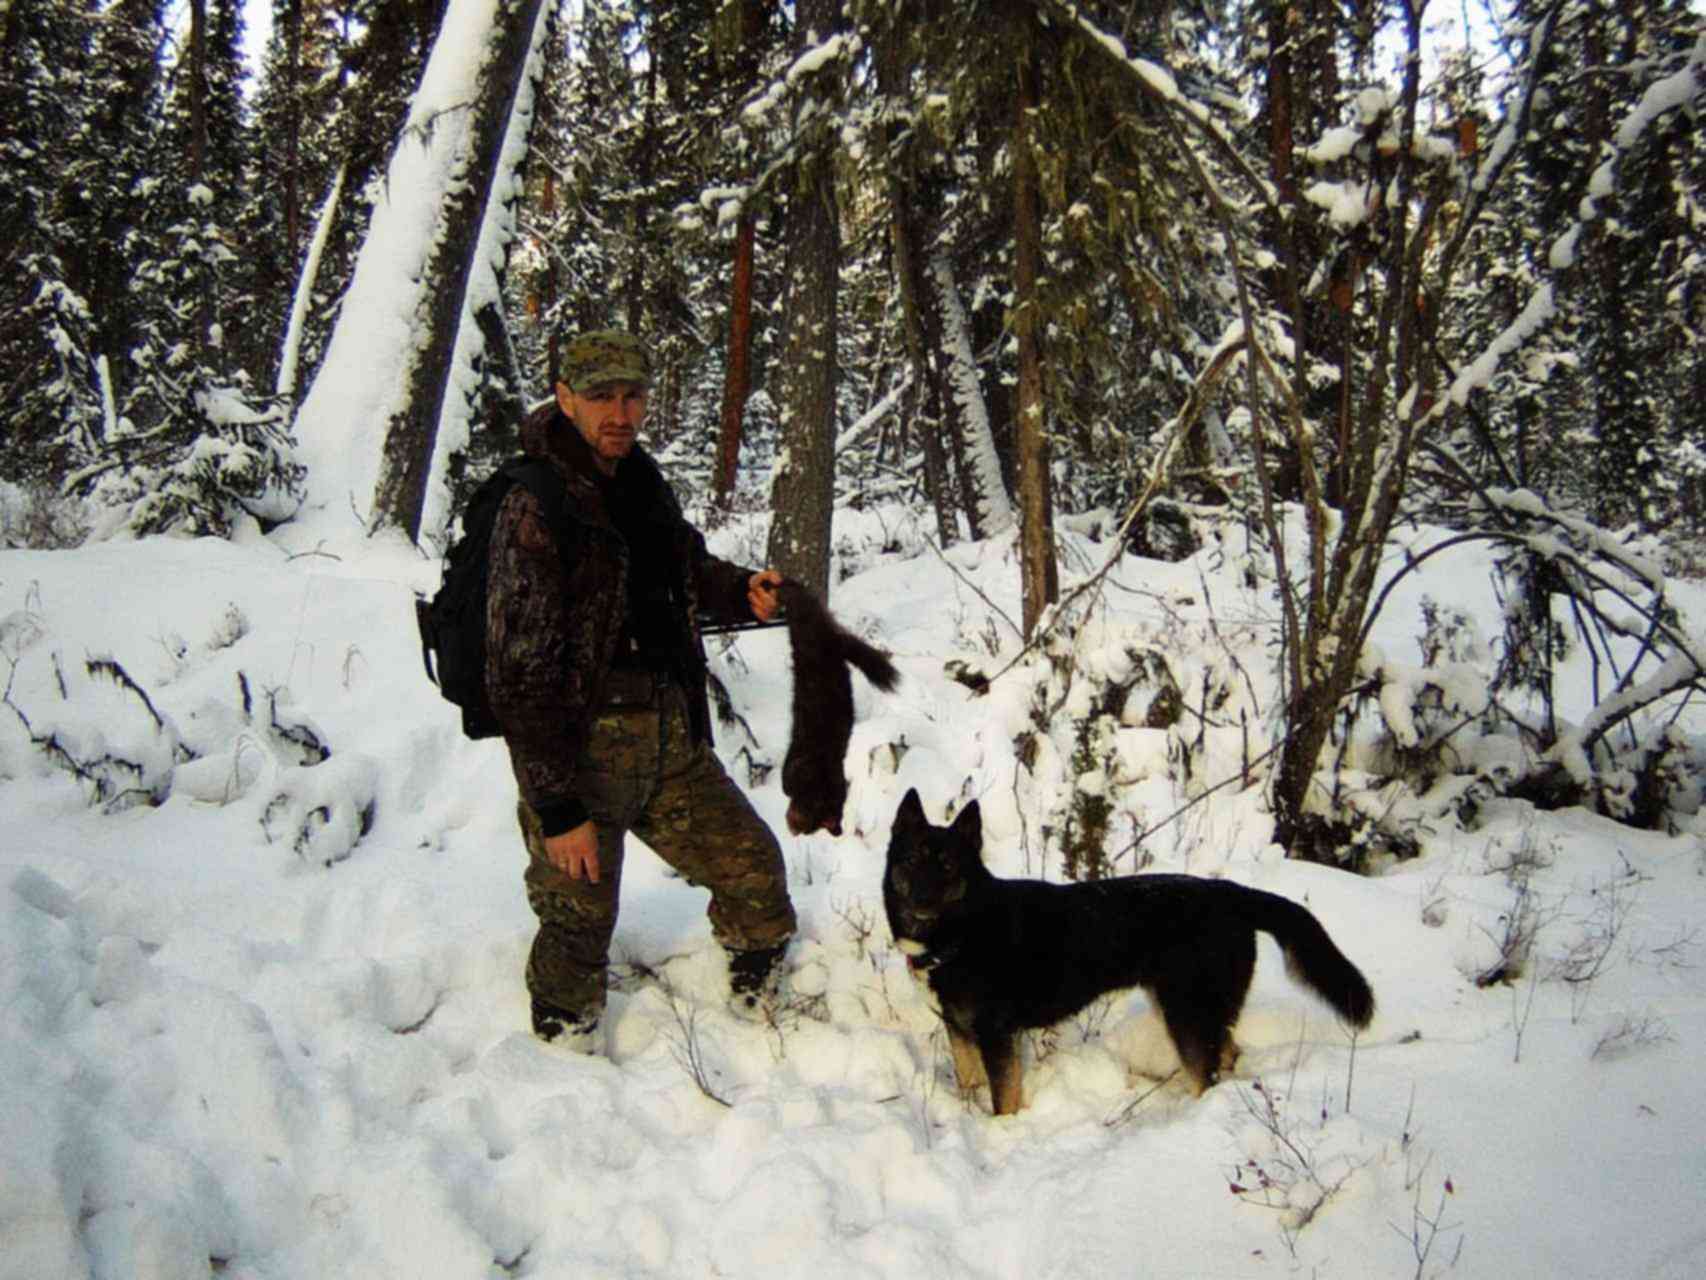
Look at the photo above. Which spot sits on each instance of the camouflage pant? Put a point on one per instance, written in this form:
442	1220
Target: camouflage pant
641	772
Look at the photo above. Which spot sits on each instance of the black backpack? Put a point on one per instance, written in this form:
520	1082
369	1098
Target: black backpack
453	622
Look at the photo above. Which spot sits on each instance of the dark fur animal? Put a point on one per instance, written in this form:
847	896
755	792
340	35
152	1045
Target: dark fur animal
1000	955
823	708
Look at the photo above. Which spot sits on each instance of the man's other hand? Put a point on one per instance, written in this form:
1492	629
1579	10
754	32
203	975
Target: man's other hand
575	853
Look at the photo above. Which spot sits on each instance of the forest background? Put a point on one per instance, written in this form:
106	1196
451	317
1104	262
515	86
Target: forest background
1302	270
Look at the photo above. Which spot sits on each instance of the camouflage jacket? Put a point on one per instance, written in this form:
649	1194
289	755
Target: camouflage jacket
554	615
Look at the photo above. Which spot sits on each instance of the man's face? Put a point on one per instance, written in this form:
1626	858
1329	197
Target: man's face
608	415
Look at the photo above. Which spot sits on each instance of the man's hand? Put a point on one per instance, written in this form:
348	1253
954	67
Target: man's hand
761	594
575	853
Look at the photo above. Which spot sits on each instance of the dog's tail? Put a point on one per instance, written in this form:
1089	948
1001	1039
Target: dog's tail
808	618
1312	957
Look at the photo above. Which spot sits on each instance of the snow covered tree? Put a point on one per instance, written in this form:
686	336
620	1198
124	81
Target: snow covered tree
47	349
433	260
187	445
128	329
461	275
135	397
359	66
1631	349
188	283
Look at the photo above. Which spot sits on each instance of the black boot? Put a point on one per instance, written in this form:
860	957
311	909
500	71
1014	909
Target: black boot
755	981
573	1030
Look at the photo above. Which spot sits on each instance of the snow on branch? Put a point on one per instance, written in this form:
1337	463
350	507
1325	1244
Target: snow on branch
1664	96
762	112
1526	504
291	348
1583	547
1572	751
763	105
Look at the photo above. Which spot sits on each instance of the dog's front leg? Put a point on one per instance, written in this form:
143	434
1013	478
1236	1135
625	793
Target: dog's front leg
968	1063
1001	1063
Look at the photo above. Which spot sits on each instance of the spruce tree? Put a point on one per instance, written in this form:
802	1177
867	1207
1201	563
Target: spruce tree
47	357
107	168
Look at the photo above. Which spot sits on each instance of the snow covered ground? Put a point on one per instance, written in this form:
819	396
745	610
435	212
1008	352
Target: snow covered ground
274	1026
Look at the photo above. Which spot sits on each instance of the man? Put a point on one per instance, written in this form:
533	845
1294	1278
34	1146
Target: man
596	672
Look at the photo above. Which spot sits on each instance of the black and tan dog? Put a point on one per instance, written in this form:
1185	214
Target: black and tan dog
1000	956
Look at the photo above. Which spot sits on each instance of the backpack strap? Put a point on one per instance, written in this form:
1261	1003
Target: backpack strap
542	481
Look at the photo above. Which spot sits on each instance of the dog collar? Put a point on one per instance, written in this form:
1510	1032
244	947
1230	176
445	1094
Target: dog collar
925	961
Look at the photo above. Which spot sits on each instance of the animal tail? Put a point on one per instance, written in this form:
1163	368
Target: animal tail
1312	957
807	612
870	660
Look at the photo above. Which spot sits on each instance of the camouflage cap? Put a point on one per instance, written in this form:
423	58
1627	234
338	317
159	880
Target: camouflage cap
604	355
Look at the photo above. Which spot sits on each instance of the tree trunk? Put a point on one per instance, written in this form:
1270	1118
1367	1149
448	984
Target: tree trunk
399	498
636	290
987	503
1039	575
1326	606
802	499
989	333
198	88
198	152
501	385
914	207
737	377
292	35
1619	371
923	345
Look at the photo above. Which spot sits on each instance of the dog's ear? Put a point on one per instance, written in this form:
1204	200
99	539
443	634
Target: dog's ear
911	811
967	830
